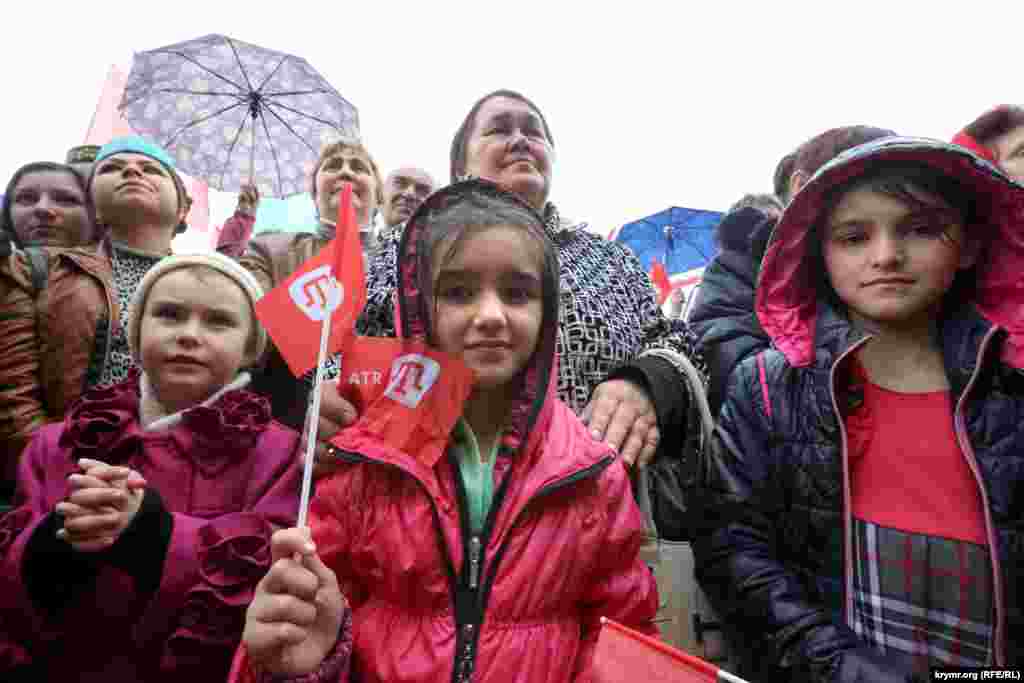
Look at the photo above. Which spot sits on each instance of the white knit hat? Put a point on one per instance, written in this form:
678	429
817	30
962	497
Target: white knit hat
212	259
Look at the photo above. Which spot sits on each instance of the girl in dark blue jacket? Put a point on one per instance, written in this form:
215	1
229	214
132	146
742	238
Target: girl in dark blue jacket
862	503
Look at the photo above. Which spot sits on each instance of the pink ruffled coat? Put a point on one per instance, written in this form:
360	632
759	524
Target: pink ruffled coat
168	601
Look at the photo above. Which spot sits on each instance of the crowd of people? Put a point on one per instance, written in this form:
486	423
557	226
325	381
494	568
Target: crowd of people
857	514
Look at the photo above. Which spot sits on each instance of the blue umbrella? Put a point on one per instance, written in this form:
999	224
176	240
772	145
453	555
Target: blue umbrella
681	239
231	112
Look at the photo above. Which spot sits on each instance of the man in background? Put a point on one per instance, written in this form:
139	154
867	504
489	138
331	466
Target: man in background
404	190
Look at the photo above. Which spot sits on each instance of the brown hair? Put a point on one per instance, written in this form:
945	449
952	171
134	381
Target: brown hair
7	222
824	147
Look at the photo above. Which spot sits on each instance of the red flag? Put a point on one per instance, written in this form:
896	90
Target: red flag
414	394
292	312
623	654
660	279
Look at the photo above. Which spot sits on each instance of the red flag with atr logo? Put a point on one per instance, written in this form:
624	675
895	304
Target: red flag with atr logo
407	394
660	279
333	280
623	654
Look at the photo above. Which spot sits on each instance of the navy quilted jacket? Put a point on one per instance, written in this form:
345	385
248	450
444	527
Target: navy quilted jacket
774	482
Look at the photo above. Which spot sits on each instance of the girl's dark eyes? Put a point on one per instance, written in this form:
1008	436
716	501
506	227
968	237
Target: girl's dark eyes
222	320
26	198
455	292
518	294
69	199
168	312
851	238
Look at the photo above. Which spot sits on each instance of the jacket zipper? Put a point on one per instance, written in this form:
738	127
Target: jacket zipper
969	456
469	633
110	304
847	490
968	452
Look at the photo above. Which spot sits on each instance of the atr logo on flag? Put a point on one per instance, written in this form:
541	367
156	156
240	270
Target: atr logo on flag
316	293
412	376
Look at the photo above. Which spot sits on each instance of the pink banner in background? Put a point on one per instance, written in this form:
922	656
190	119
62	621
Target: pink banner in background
107	124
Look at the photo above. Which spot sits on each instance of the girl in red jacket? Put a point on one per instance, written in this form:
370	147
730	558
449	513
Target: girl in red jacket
496	563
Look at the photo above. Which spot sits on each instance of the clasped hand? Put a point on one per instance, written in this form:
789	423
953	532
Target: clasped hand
101	503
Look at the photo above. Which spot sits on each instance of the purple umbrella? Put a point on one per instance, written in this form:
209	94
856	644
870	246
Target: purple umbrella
232	112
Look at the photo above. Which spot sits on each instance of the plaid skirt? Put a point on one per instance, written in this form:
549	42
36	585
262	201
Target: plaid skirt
925	596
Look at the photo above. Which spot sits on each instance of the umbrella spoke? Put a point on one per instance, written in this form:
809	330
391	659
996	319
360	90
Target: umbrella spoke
273	153
294	93
272	73
207	93
231	149
189	58
302	114
196	122
292	130
241	67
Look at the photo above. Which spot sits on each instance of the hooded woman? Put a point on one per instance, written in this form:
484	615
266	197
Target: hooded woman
622	363
496	559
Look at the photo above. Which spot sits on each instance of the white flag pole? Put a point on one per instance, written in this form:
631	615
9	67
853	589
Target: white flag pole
313	415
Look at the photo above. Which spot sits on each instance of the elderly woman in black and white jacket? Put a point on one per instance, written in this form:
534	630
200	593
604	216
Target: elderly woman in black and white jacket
620	358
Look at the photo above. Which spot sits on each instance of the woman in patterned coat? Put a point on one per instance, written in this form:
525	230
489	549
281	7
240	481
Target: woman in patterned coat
65	333
619	356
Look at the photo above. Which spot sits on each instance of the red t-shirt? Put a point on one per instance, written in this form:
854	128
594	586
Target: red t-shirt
907	471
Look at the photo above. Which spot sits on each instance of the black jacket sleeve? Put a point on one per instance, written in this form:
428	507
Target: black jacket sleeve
786	634
723	314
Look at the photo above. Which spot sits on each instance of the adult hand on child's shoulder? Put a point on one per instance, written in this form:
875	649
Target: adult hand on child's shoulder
621	414
336	413
101	503
295	616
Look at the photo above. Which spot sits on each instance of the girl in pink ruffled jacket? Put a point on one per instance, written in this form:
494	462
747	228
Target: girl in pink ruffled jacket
142	522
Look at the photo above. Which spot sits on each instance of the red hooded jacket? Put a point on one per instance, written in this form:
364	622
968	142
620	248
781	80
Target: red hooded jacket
520	602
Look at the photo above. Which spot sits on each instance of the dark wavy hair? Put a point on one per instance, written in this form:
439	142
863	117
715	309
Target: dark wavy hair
7	222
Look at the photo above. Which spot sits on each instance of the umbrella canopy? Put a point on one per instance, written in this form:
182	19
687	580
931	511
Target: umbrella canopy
680	239
229	111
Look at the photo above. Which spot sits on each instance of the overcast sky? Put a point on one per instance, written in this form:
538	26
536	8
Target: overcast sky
651	104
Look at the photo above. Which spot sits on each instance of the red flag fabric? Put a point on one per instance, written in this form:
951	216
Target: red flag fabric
293	312
413	394
623	654
660	279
